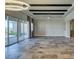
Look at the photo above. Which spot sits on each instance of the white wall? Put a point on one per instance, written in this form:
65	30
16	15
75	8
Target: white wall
67	32
54	26
69	17
50	27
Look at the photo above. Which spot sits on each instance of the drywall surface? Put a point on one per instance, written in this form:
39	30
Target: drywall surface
69	17
50	27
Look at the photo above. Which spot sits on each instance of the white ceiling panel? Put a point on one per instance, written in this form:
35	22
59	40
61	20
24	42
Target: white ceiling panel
49	8
48	1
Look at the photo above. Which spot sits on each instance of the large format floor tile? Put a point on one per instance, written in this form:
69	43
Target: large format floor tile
43	48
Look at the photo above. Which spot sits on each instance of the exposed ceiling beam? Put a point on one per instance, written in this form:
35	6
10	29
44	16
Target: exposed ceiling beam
48	13
50	4
69	10
48	10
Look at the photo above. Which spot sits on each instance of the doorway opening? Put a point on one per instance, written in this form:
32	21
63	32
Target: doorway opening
72	28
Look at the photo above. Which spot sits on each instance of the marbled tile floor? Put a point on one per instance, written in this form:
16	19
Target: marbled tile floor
46	48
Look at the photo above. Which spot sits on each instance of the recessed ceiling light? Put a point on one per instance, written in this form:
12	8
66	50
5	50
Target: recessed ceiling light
48	17
14	5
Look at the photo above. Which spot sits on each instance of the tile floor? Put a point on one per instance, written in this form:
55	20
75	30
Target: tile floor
42	48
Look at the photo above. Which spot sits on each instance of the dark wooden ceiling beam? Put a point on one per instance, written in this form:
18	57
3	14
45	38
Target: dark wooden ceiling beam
48	13
50	4
48	10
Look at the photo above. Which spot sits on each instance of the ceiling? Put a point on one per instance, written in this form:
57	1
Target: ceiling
48	8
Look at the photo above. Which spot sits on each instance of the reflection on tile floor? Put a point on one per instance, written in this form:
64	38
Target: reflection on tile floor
47	48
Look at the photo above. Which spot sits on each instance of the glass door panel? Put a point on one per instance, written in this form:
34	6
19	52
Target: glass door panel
25	31
12	32
6	31
21	36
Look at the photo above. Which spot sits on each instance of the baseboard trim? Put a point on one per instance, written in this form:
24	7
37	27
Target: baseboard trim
49	36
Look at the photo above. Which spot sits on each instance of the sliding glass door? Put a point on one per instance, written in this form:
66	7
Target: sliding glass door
12	32
15	30
25	31
21	32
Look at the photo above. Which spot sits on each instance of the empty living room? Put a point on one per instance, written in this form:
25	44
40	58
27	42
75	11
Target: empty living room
39	29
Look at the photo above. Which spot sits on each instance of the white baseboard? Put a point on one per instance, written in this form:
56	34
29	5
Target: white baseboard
48	35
